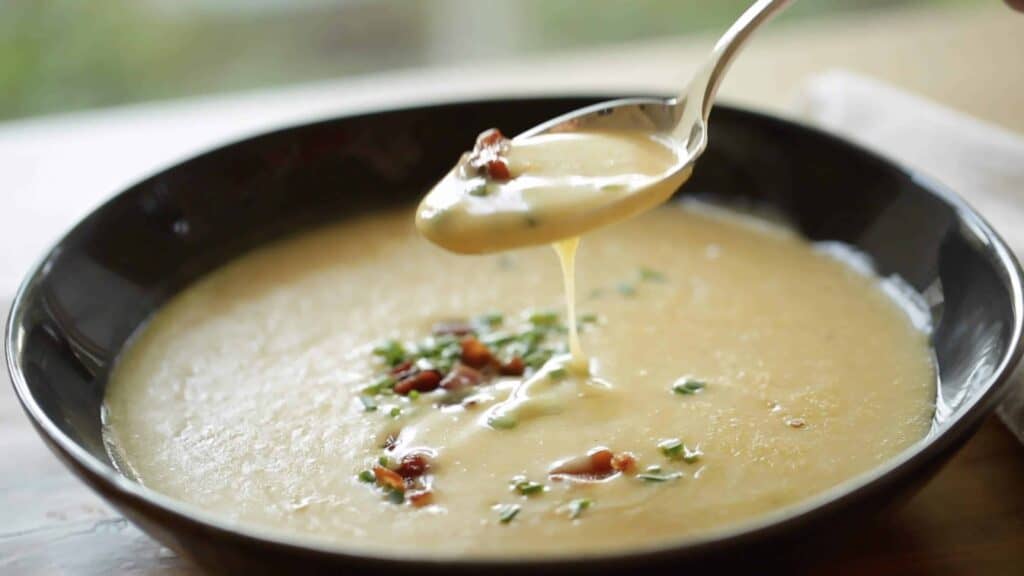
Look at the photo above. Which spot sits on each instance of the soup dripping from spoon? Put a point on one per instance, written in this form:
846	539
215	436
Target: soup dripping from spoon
584	169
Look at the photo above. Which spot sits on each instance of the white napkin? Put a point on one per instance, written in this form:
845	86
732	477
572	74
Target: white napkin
982	162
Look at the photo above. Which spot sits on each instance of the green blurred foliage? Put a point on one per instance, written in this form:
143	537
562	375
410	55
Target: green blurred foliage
60	55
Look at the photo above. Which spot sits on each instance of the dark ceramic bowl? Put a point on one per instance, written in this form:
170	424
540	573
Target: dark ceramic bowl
76	310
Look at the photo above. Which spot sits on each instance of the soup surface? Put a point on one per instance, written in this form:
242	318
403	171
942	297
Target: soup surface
735	370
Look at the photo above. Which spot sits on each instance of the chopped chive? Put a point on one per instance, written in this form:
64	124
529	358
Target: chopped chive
492	320
651	477
479	189
395	412
691	455
413	395
369	404
537	358
688	386
499	339
544	319
577	506
379	386
367	476
588	318
392	352
384	461
527	487
396	497
650	275
558	374
626	289
671	448
503	422
507	512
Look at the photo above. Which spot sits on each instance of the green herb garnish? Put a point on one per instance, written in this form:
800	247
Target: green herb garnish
492	320
671	448
544	319
507	512
526	487
369	404
479	189
413	395
687	386
577	506
557	374
382	385
384	461
395	412
588	319
537	358
396	496
392	352
650	275
503	422
626	289
367	476
651	477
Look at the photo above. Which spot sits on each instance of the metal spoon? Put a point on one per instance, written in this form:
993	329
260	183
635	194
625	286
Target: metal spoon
683	118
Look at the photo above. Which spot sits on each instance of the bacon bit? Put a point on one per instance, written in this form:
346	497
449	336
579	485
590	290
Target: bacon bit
596	465
388	478
514	367
486	157
475	353
461	377
420	498
624	462
425	381
497	169
453	328
413	465
403	367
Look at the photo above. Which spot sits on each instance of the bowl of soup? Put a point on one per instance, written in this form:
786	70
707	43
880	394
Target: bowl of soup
258	358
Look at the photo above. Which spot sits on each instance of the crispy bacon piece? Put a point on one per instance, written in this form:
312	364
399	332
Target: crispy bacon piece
401	368
514	367
420	498
424	381
388	478
595	465
497	169
487	155
624	462
462	377
475	353
414	464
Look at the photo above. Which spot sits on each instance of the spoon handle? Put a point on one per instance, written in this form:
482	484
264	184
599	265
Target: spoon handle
705	85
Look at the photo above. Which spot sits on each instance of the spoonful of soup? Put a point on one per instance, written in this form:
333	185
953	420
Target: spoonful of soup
582	170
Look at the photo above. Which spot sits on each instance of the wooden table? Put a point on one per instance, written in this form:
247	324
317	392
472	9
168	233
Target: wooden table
969	520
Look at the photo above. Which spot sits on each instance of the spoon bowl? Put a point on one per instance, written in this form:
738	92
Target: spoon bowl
472	210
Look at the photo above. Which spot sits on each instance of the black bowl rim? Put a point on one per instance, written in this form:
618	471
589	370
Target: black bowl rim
103	478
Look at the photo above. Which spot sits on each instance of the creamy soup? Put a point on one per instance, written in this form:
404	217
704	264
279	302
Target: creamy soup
360	386
512	193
